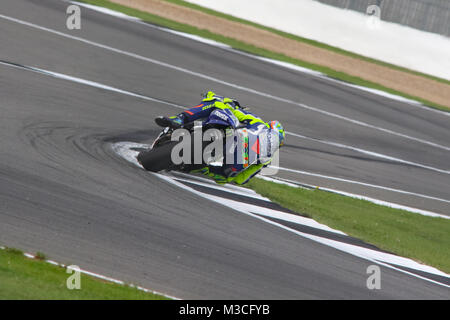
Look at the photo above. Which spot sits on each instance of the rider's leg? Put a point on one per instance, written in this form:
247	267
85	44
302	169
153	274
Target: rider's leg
198	112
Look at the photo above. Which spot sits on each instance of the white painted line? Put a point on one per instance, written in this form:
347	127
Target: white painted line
252	208
382	258
370	153
362	184
109	88
385	94
291	183
99	276
280	181
388	204
90	83
121	15
398	261
226	188
368	254
268	60
124	149
364	253
105	87
229	84
107	11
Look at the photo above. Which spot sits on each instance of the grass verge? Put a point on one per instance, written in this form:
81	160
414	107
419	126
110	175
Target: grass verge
163	22
22	278
421	238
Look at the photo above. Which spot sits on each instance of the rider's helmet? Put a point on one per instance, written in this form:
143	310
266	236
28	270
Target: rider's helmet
276	125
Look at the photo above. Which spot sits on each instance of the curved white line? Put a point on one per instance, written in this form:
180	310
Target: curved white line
363	253
109	88
370	153
88	83
229	84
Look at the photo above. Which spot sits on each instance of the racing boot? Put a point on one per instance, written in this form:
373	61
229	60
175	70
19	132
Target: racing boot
174	122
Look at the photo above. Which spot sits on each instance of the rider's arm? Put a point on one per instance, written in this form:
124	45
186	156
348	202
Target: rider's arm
212	102
247	117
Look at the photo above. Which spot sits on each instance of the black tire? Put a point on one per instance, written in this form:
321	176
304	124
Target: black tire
158	158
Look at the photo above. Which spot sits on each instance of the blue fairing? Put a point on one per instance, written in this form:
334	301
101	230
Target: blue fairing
222	117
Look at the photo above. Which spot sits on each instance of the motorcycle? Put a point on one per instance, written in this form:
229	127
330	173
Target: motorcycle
221	125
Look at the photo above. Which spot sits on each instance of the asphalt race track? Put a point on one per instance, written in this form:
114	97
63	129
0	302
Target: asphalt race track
65	192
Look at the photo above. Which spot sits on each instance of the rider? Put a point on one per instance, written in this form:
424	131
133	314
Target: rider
272	133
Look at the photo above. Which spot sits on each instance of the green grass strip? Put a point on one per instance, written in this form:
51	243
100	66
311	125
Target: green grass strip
163	22
421	238
31	279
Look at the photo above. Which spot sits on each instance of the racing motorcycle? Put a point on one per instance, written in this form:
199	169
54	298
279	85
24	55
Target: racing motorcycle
226	128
